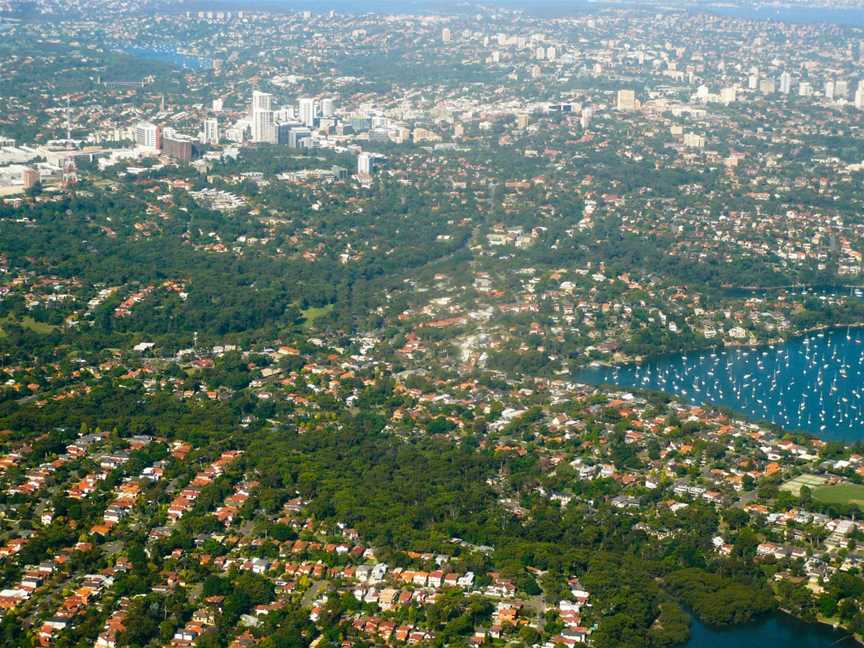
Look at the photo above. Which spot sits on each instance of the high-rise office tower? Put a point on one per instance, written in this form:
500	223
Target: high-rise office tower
148	136
365	164
328	107
785	83
263	127
585	118
211	131
261	101
263	124
307	111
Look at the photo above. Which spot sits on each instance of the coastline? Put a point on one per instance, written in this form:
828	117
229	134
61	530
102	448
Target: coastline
820	620
834	624
641	360
604	374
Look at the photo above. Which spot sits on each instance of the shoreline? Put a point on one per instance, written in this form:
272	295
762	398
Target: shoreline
822	621
641	360
797	287
703	401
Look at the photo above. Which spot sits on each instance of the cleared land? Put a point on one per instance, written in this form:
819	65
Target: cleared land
27	322
312	313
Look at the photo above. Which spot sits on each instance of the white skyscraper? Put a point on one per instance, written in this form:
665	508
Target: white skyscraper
263	127
261	101
365	164
585	118
859	96
263	124
307	111
211	131
829	90
328	107
785	83
446	37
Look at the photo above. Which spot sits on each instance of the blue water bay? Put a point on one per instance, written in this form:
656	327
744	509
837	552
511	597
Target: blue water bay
813	383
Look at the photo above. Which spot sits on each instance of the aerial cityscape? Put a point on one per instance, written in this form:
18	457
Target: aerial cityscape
431	324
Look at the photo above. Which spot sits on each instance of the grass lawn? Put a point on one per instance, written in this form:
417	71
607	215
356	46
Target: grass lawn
840	494
28	322
312	313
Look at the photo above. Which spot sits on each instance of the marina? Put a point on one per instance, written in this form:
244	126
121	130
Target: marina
813	383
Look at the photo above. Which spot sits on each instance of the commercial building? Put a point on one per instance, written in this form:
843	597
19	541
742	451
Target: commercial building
785	83
261	101
307	111
263	127
626	100
367	163
263	123
179	147
297	135
148	136
328	107
211	131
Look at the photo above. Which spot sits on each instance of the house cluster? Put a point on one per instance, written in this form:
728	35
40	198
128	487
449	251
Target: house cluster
37	477
89	590
126	495
36	577
234	502
389	631
108	462
114	626
570	613
187	497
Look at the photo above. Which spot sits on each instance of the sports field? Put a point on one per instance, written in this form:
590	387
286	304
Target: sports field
811	481
840	494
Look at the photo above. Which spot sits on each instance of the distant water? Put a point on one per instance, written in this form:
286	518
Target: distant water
813	383
844	16
169	56
319	7
775	631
